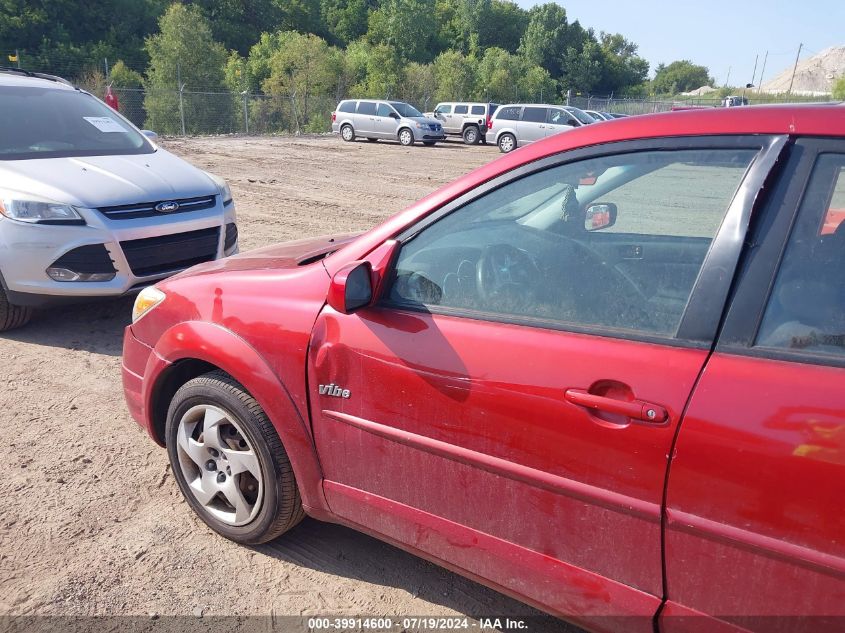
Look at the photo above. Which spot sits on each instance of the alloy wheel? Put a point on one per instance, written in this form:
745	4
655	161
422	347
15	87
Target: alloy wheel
219	465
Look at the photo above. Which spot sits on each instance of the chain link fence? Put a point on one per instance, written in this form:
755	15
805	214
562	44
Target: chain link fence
190	113
651	105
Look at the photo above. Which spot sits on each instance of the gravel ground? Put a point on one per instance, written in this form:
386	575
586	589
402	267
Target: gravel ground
92	520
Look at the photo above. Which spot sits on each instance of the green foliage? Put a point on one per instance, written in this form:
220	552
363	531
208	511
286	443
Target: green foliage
407	26
121	76
549	40
346	20
536	84
419	85
383	74
303	72
499	73
234	23
839	89
502	25
622	69
69	39
185	51
455	76
680	76
584	67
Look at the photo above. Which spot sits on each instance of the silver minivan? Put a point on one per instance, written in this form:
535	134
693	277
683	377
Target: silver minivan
517	124
90	206
394	120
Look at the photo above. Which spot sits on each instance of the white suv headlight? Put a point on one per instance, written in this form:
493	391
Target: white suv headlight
223	186
34	210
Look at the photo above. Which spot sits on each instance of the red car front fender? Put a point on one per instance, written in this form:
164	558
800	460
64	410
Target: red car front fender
214	344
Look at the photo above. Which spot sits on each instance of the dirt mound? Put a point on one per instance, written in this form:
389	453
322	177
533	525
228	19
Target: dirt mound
814	76
698	92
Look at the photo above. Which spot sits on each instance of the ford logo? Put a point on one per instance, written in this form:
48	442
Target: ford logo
167	207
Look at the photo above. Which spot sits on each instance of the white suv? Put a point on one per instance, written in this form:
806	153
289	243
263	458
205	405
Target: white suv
465	119
91	207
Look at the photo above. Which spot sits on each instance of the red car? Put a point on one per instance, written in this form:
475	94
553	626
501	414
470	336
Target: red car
604	374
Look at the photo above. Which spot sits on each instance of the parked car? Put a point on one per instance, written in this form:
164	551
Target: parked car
465	119
394	120
602	375
91	207
600	116
516	124
734	101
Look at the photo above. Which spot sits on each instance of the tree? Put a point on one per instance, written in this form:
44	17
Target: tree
499	75
680	76
549	40
623	70
406	26
303	75
69	39
346	20
419	85
384	72
234	23
185	51
502	25
583	68
536	84
127	84
839	89
123	77
455	75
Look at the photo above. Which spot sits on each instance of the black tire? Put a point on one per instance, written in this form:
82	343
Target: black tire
371	140
471	135
281	505
429	143
506	143
11	316
405	136
347	133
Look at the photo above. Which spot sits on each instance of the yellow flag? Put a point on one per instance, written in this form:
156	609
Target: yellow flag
13	58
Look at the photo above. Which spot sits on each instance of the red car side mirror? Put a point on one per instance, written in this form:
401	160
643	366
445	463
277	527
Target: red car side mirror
351	287
360	283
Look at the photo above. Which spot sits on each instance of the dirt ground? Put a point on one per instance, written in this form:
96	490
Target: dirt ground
92	522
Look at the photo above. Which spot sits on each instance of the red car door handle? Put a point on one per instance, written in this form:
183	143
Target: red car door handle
636	409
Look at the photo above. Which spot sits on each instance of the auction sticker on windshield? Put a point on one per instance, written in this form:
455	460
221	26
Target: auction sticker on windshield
105	124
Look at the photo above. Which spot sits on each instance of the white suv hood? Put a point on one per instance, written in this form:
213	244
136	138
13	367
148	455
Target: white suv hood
99	181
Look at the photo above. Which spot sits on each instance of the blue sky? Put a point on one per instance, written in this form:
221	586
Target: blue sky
717	33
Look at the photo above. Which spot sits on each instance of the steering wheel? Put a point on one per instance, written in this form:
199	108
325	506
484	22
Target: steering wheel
508	279
505	273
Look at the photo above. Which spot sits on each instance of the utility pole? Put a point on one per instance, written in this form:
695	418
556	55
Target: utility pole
18	57
728	78
795	68
754	74
106	63
762	72
245	93
181	88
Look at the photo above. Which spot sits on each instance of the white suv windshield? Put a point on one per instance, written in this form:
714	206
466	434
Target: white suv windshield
405	110
48	123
